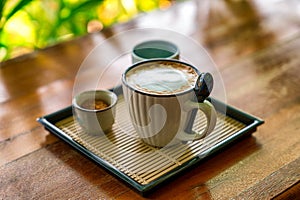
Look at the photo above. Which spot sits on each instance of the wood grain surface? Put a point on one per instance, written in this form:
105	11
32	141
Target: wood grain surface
255	46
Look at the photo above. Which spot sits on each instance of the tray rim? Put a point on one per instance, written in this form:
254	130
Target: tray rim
251	122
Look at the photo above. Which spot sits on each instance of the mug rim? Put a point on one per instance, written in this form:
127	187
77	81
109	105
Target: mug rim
157	60
174	55
109	93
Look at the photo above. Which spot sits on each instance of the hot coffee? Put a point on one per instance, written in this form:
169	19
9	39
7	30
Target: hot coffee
160	94
162	78
94	104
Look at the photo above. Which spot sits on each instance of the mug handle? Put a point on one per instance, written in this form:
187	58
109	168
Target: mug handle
211	119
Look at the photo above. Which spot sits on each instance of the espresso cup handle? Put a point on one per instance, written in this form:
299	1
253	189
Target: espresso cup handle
211	119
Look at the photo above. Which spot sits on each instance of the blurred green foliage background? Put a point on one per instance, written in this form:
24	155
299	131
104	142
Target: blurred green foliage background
27	25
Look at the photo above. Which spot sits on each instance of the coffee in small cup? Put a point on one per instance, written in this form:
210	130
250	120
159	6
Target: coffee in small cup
95	111
94	104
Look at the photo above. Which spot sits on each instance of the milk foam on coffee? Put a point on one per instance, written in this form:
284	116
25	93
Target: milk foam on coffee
162	78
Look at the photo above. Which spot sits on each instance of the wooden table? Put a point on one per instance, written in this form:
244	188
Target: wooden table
255	45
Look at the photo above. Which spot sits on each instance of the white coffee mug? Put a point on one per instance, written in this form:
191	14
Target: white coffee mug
162	117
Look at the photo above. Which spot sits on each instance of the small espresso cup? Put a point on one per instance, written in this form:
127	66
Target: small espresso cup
95	111
162	96
154	49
